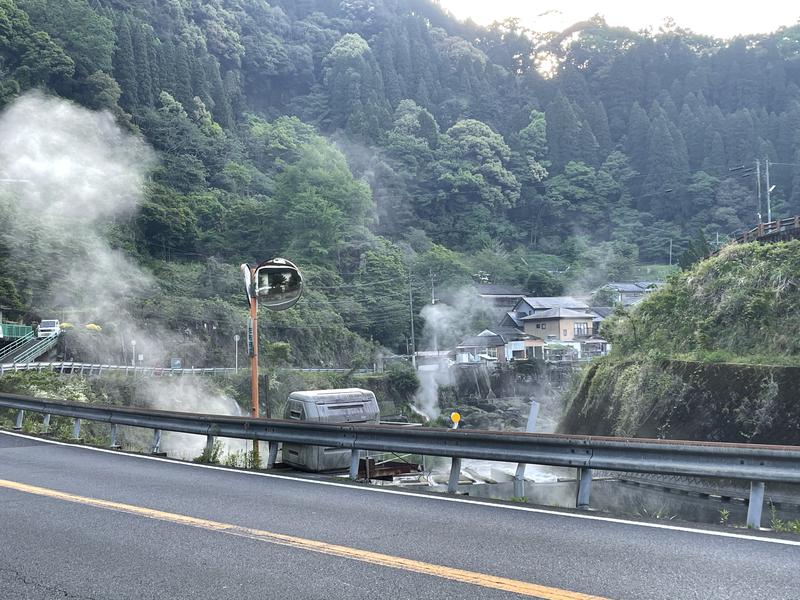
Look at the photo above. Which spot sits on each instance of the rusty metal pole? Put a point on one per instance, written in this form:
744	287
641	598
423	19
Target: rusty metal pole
254	370
254	359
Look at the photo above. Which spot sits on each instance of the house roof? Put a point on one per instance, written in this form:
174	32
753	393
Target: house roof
482	341
511	317
494	289
625	287
558	313
602	311
510	334
632	287
539	302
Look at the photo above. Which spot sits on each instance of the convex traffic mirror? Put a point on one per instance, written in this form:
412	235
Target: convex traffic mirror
278	284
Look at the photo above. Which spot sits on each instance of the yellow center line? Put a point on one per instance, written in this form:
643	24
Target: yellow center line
376	558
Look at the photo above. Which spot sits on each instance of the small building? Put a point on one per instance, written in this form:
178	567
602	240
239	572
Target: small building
519	345
487	346
628	293
561	324
594	346
561	352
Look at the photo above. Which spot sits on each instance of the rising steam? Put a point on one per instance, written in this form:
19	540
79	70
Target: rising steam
69	176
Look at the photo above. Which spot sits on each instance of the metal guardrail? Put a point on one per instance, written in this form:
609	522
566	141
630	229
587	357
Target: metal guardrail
15	345
99	369
102	368
15	330
37	349
755	463
767	229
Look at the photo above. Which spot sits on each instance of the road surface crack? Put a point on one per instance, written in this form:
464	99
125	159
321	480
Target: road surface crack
11	575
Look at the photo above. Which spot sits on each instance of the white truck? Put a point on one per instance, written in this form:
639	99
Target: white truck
48	327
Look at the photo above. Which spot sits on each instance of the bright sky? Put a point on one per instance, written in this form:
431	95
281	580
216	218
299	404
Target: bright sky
720	19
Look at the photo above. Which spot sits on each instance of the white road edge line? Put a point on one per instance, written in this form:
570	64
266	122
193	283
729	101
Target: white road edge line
378	490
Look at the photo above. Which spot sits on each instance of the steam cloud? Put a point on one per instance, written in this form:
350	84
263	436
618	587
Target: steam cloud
186	395
445	326
73	173
69	175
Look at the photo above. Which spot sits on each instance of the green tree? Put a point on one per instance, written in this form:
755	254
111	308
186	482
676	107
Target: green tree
569	137
144	78
320	203
355	87
533	137
474	183
125	65
44	62
85	34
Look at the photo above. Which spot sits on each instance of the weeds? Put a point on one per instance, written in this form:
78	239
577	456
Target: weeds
661	514
243	459
778	524
210	455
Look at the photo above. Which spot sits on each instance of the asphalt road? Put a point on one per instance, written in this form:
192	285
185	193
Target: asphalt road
77	523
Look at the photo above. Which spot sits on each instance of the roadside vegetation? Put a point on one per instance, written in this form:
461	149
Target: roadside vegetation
712	355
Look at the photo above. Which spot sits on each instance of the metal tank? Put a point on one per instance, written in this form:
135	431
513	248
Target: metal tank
350	405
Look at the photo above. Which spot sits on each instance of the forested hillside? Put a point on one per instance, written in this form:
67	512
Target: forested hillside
381	142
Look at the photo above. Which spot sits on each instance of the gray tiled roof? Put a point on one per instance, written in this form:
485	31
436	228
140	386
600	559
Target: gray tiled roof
555	302
494	289
558	313
482	341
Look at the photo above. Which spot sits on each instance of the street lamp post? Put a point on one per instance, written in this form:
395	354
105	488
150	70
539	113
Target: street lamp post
236	339
278	283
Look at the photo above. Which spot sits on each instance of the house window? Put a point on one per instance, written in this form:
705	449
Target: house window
538	326
581	329
544	325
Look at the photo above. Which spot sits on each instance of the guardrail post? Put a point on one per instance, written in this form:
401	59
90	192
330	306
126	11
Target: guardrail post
156	441
519	476
76	430
273	455
114	443
355	458
46	423
18	422
455	474
209	446
584	488
755	504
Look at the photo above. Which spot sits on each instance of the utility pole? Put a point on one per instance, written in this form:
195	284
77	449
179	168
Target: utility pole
758	187
411	310
670	252
769	205
435	335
